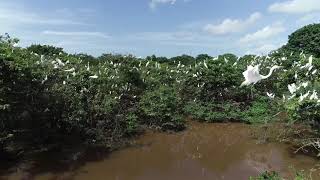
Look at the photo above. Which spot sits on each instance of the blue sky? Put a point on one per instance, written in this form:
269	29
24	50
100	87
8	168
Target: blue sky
161	27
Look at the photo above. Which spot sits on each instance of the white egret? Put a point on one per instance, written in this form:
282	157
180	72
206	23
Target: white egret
305	84
293	88
252	75
45	79
302	97
309	64
60	63
42	58
314	95
270	95
88	67
179	65
93	77
205	64
70	70
226	60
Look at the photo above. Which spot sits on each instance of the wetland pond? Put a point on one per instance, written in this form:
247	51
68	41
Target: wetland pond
201	152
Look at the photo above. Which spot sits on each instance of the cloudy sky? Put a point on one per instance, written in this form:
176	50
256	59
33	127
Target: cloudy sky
161	27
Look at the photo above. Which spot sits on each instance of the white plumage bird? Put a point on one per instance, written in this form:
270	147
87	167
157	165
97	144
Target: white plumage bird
314	95
70	70
252	75
271	95
93	77
302	97
205	65
293	88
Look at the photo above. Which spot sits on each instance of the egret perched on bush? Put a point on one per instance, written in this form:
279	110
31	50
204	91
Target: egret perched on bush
270	95
293	88
93	77
252	74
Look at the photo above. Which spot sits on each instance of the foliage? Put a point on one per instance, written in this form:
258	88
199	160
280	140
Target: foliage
45	50
308	111
261	110
306	39
211	112
267	176
275	176
161	108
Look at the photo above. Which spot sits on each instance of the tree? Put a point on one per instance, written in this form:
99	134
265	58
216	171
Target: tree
202	57
306	39
45	49
184	59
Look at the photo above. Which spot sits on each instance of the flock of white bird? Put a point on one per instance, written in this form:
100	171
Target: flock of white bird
252	76
110	70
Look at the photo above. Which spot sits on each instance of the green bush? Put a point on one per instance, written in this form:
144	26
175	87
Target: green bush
267	176
162	108
275	176
306	39
212	112
261	110
307	111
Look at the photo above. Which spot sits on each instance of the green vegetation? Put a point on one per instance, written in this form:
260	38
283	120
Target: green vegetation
49	98
267	176
275	176
306	39
161	108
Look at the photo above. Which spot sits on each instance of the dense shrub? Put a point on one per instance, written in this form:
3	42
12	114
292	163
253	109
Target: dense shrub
308	111
306	39
162	108
276	176
267	176
45	50
261	110
211	112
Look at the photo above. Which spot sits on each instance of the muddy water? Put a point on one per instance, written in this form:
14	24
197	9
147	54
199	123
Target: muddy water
203	152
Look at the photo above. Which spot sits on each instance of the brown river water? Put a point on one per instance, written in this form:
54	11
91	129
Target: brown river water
202	152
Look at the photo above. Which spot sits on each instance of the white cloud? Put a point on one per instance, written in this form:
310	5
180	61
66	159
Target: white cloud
263	49
164	36
20	17
14	17
76	12
232	25
309	19
296	6
265	33
77	33
154	3
176	39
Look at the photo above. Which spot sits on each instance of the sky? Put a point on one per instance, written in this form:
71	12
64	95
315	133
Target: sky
161	27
